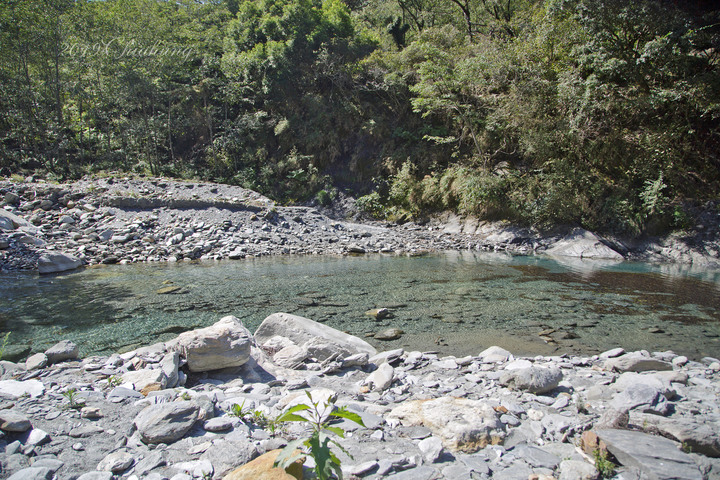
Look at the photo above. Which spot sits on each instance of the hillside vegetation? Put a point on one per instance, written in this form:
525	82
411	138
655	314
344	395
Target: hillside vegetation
601	113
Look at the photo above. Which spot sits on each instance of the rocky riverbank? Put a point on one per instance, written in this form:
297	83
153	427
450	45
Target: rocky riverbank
203	404
53	228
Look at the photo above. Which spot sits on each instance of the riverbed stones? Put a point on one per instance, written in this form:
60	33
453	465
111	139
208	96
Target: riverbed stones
536	380
166	423
462	424
51	262
319	340
655	458
225	344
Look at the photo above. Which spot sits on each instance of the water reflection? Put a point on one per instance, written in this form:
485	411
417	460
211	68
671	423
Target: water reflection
454	302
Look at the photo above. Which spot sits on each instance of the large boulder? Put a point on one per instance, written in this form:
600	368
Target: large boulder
57	262
10	221
167	422
462	424
225	344
582	244
320	341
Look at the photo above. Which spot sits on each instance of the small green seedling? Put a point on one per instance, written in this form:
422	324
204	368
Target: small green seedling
317	444
72	398
603	465
114	381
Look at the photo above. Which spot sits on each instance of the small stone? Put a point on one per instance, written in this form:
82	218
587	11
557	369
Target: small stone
39	360
32	473
218	424
91	413
389	334
37	437
431	448
116	462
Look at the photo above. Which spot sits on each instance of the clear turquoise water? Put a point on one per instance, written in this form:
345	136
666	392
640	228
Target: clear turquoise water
456	303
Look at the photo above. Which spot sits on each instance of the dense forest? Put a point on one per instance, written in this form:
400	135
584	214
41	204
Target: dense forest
603	113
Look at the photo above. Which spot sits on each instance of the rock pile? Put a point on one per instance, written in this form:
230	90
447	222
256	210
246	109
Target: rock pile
203	405
107	220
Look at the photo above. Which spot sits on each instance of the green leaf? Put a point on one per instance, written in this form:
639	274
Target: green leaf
345	413
291	417
337	431
288	456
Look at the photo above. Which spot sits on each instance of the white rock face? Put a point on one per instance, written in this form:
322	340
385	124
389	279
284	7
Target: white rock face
57	262
582	244
462	424
225	344
320	341
15	389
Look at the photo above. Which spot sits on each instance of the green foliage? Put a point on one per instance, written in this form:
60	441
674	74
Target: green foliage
5	339
371	204
318	443
605	467
114	381
73	401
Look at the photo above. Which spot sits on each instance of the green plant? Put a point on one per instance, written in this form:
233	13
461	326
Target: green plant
686	447
185	396
73	401
4	344
114	381
603	465
317	444
238	410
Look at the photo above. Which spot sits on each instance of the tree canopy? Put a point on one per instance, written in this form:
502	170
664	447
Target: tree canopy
602	113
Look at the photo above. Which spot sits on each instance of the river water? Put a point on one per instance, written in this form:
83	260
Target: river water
455	303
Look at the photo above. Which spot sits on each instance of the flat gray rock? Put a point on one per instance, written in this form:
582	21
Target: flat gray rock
537	457
641	397
633	362
655	457
14	421
33	473
167	422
